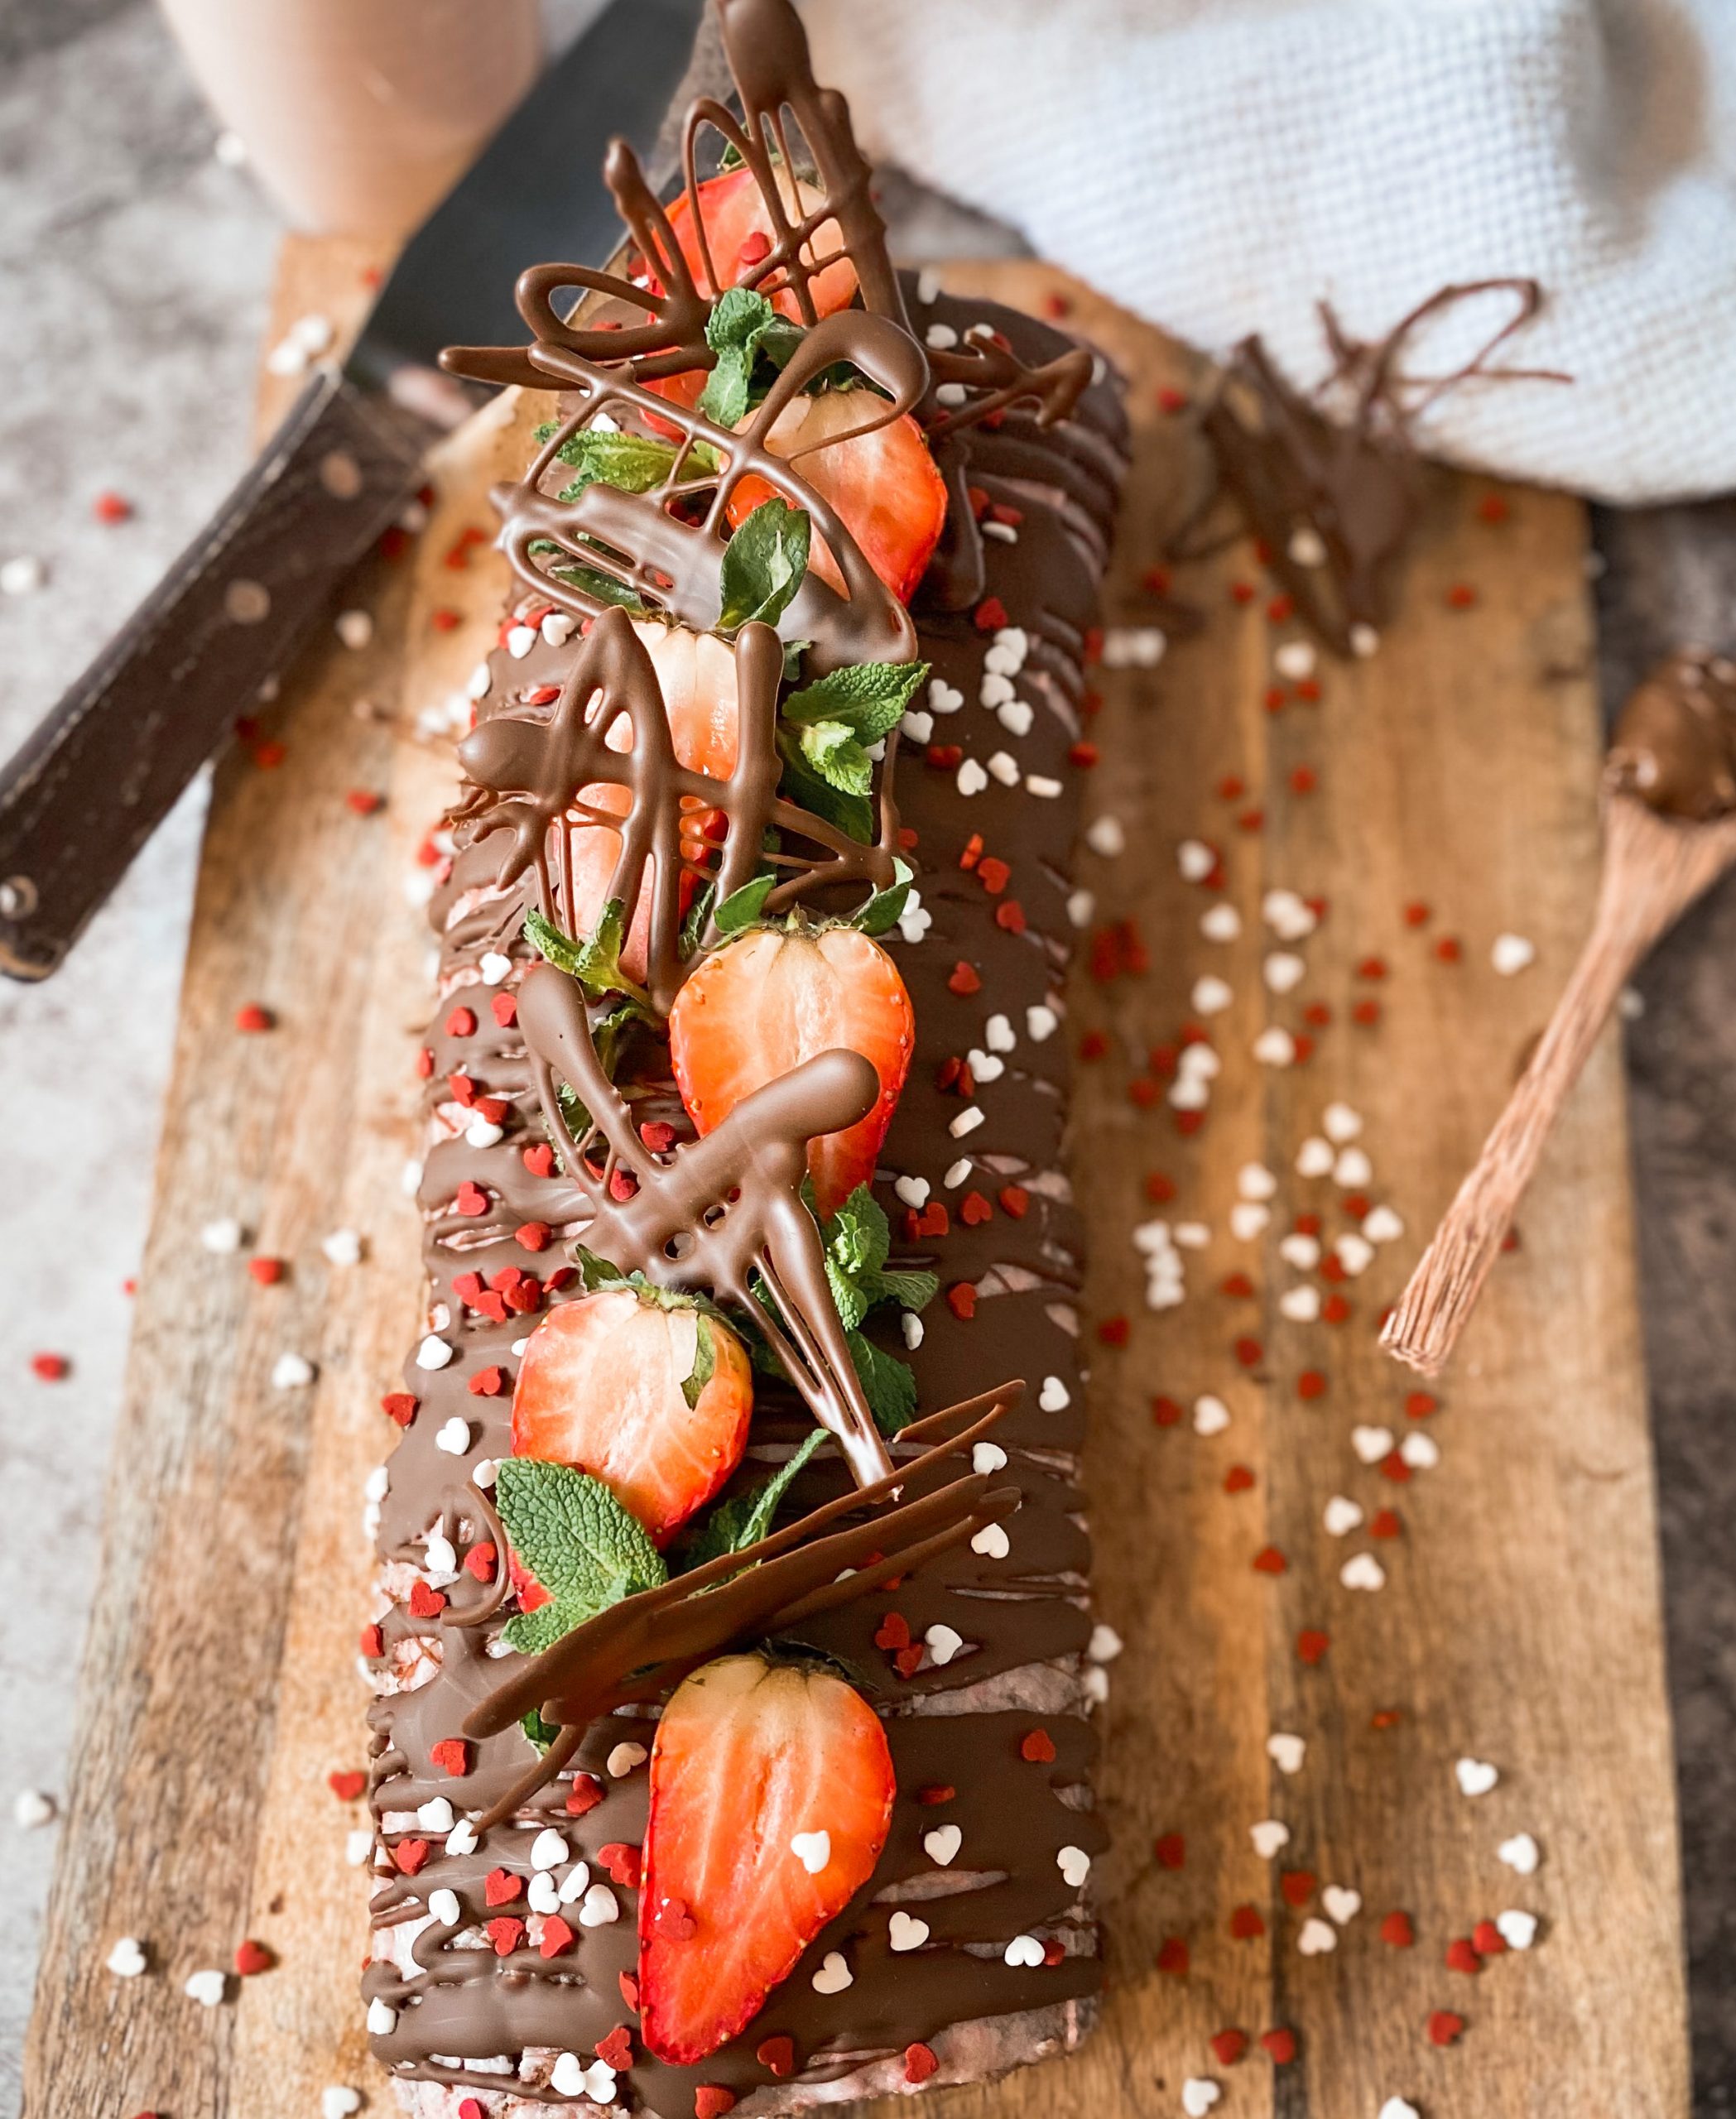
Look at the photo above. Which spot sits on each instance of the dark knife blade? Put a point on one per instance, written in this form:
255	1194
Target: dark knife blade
95	779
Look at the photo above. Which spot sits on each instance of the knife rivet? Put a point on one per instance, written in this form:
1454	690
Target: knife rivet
340	475
247	601
17	897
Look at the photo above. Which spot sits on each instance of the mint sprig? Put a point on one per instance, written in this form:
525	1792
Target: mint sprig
594	961
742	326
583	1547
634	462
857	1242
825	730
868	698
745	1519
763	565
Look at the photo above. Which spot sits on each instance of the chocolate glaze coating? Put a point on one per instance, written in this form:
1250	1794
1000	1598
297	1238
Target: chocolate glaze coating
1022	1620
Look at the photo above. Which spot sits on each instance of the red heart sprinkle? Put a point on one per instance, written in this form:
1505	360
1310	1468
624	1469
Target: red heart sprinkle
1397	1929
1246	1924
965	979
452	1755
252	1956
1166	1412
1172	1956
1462	1955
471	2108
973	1210
937	1791
253	1017
961	1299
1385	1524
1227	2047
346	1786
1280	2044
777	2055
480	1561
616	2051
908	1661
1269	1560
505	1935
1488	1940
919	2063
502	1887
425	1604
471	1199
893	1631
266	1271
1445	2027
585	1794
1171	1851
1298	1885
622	1863
556	1937
1036	1746
1237	1479
409	1855
1312	1645
1015	1200
711	2101
991	615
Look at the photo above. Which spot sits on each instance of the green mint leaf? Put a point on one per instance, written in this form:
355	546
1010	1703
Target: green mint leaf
859	1236
540	1733
742	325
830	748
851	1302
763	564
634	462
868	699
698	914
578	1118
883	910
578	1540
594	963
704	1364
724	400
597	1272
852	814
603	587
734	1525
886	1383
743	907
910	1290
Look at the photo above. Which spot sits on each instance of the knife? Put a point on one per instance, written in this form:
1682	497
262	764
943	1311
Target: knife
94	781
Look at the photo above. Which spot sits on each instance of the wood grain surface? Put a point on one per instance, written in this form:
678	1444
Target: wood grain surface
1519	1624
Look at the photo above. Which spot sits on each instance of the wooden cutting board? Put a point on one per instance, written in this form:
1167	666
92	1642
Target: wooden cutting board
1518	1624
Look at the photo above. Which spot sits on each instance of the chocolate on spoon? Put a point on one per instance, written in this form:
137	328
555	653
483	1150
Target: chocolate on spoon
1669	833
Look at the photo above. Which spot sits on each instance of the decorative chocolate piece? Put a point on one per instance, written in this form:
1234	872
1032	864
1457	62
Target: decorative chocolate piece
1675	742
1347	486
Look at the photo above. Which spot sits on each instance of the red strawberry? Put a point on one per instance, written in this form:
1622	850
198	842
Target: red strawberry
884	484
604	1386
750	1754
761	1005
697	673
738	233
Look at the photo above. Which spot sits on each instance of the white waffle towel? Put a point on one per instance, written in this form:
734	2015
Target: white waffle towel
1219	165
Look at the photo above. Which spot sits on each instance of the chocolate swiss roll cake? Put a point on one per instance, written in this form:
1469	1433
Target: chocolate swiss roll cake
732	1739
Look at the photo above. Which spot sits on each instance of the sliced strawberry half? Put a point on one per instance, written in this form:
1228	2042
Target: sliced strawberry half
645	1392
697	673
885	484
750	1756
757	1007
739	235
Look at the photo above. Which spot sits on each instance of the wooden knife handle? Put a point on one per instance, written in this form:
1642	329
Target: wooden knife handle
97	777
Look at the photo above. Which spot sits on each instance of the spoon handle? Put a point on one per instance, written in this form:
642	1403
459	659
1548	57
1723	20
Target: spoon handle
1653	870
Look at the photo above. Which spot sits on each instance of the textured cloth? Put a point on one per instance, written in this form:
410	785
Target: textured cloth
1219	165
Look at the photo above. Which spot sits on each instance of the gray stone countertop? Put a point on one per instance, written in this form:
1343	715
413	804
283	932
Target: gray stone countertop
136	267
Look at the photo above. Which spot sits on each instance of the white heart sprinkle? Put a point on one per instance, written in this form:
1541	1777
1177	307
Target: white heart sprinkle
1283	972
1420	1452
984	1066
1363	1571
435	1815
455	1436
1105	1643
1255	1181
812	1849
1199	2094
996	688
942	1844
943	698
462	1839
1301	1305
221	1237
576	1883
443	1906
548	1849
1211	1415
1341	1516
208	1989
904	1932
1286	1752
1295	659
32	1809
623	1758
1511	953
339	2102
1380	1225
834	1975
598	2083
1342	1903
291	1372
1275	1047
972	779
1248	1219
354	628
434	1353
1395	2107
1023	1949
1195	860
343	1246
1315	1157
1520	1853
1080	906
382	2019
1517	1930
1005	768
1041	1022
1054	1397
1353	1253
1301	1251
988	1457
1352	1169
1339	1123
1269	1835
127	1959
1016	717
1106	835
955	1175
999	1034
943	1643
917	725
1211	996
1220	923
1475	1776
1371	1444
1317	1938
1075	1865
1289	915
913	1191
598	1907
494	966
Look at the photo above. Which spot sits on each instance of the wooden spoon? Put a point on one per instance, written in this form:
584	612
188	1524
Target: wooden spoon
1654	867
